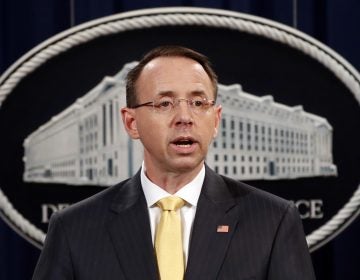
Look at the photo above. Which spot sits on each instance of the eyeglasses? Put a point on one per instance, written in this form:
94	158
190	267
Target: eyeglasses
166	104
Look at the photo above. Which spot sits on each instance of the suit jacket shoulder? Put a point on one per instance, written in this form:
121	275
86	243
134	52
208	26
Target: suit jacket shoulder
99	203
92	238
241	190
241	232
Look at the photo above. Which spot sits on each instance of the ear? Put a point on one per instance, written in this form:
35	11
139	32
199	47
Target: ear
129	121
218	111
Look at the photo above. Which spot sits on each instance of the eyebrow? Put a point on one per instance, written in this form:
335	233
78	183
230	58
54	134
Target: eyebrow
172	93
166	93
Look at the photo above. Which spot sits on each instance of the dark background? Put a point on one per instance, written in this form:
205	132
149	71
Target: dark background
24	24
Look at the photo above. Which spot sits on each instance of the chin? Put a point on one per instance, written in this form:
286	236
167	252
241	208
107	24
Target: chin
187	165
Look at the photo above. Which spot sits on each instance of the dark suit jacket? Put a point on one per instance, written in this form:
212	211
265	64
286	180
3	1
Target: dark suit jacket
108	236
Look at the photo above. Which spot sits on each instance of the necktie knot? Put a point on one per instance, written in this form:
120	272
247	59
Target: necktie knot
170	203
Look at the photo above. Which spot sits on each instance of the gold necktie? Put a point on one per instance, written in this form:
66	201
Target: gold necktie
168	240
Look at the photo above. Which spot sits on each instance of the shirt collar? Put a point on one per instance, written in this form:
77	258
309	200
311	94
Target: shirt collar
190	192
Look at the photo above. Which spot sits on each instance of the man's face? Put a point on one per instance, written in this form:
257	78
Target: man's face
176	141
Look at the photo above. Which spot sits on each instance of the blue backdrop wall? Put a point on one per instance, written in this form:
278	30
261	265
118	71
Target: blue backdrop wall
24	24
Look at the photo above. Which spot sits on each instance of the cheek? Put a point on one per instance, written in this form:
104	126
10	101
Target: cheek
147	124
152	133
212	124
209	133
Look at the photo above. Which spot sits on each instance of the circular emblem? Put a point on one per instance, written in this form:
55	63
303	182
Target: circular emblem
290	113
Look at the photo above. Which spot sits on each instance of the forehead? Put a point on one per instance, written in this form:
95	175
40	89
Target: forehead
173	62
173	74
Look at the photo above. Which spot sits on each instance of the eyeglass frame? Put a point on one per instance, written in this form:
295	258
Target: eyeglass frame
190	103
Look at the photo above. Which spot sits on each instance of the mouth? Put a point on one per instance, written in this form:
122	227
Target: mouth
184	144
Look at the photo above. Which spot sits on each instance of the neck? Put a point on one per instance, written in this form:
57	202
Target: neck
171	181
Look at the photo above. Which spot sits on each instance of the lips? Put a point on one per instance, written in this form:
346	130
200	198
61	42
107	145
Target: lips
184	144
183	141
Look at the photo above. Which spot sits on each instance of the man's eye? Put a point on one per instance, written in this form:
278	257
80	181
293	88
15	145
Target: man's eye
198	103
164	104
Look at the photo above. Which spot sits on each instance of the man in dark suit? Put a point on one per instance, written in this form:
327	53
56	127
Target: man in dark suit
229	230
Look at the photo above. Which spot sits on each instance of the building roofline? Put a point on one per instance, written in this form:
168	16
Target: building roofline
269	100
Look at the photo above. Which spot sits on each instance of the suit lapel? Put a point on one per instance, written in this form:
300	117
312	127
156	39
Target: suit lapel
216	207
129	230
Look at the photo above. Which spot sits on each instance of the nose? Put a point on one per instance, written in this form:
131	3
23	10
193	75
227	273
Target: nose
183	114
178	101
184	108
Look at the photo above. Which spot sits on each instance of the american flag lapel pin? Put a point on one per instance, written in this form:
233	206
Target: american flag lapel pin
222	228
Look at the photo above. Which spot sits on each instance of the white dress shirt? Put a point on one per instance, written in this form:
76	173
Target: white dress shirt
190	193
